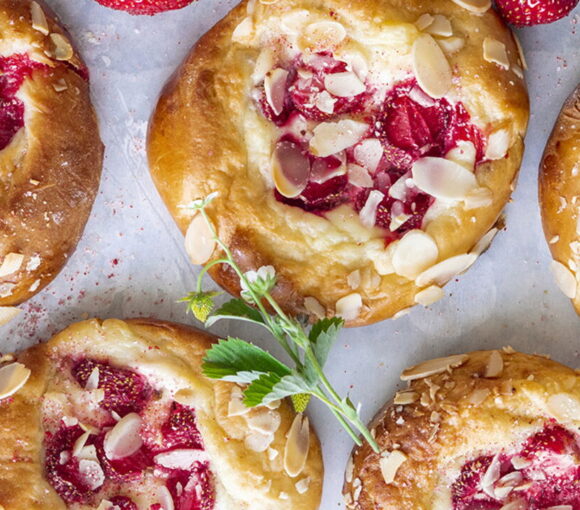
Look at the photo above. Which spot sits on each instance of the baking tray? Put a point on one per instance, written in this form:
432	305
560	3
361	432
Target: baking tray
131	260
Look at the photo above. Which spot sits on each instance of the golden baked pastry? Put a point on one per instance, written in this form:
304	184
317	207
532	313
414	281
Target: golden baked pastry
50	150
362	148
486	430
559	192
116	415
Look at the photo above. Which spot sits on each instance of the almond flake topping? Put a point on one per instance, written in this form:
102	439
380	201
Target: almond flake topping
464	154
440	27
243	32
478	396
11	263
390	463
324	34
258	442
433	367
199	241
124	438
345	84
93	380
429	295
290	169
181	458
484	243
451	45
431	67
443	179
445	270
368	214
494	367
39	21
403	398
369	153
564	407
314	307
475	6
12	378
477	198
424	21
565	279
495	52
333	137
303	485
265	421
414	253
349	307
498	144
63	49
359	176
275	89
297	446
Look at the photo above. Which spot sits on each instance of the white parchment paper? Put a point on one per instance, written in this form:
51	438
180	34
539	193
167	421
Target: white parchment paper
131	260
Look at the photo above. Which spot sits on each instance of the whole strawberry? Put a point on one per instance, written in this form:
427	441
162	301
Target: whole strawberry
534	12
148	7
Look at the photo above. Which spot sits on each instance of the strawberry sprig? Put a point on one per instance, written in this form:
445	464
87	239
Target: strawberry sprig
264	377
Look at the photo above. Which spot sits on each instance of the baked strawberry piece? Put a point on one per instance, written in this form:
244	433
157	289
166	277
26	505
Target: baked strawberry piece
147	7
527	13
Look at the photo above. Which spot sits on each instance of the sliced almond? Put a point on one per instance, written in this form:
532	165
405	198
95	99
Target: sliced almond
313	306
433	367
181	458
495	52
258	442
478	396
475	6
521	52
264	63
565	407
369	153
303	485
333	137
12	378
63	49
199	240
451	45
491	476
445	270
465	154
424	21
403	398
297	446
440	27
354	279
275	89
398	221
7	313
494	367
359	176
92	473
60	85
11	263
443	179
164	498
498	144
243	32
345	84
290	169
478	198
236	406
414	253
93	380
325	102
390	464
520	462
429	295
80	443
484	243
324	169
399	189
266	421
324	35
124	439
431	67
349	307
565	279
368	214
39	21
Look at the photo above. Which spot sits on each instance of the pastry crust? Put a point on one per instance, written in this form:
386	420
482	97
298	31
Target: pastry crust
169	356
207	135
559	187
49	171
456	416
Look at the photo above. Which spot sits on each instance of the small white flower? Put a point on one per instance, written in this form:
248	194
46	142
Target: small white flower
200	203
261	281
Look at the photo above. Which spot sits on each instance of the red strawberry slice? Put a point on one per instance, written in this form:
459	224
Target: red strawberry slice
13	71
125	391
123	503
64	476
126	469
147	7
180	430
534	12
192	490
